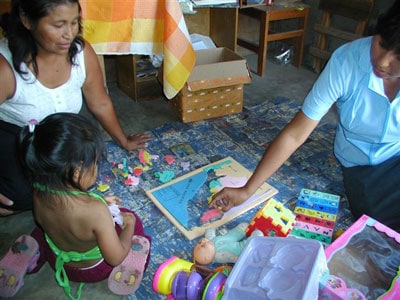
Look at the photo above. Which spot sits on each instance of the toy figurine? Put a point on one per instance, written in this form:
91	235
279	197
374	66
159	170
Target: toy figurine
224	248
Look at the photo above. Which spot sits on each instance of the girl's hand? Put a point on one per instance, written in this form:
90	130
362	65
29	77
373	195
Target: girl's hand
112	200
129	220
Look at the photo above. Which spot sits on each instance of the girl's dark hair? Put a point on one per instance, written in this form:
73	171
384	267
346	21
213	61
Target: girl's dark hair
388	27
20	40
59	145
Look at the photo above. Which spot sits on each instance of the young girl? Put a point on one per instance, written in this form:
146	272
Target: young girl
76	232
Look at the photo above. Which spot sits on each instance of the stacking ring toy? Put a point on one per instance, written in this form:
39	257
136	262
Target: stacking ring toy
194	285
179	285
214	287
162	280
224	270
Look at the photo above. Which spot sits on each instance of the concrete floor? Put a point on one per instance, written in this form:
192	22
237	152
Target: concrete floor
280	80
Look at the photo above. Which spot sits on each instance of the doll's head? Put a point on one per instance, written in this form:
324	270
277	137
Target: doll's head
204	251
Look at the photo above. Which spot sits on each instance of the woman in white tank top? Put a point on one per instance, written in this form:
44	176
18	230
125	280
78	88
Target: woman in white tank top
46	67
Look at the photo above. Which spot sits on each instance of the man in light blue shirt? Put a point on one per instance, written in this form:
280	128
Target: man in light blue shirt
363	79
368	131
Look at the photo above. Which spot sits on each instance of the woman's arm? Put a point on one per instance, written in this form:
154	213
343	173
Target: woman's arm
7	80
100	104
283	146
7	88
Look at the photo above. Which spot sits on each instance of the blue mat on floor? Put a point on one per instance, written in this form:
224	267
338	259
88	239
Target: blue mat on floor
242	136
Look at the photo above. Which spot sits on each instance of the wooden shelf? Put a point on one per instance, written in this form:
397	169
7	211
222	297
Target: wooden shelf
130	81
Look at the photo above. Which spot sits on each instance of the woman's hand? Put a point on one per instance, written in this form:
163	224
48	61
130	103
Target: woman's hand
7	202
137	141
228	198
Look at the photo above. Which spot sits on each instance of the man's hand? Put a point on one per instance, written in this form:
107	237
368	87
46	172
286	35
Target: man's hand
228	198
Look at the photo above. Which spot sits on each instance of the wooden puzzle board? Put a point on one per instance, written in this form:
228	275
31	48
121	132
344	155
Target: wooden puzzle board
184	200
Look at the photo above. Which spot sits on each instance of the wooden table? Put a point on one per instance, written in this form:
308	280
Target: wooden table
268	14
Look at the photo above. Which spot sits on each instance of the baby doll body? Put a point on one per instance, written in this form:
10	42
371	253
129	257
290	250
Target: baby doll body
224	248
229	245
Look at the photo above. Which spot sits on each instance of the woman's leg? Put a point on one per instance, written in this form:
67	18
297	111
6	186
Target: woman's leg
13	183
375	191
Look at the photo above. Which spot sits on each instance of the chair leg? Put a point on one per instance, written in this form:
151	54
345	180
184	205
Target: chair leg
300	41
263	44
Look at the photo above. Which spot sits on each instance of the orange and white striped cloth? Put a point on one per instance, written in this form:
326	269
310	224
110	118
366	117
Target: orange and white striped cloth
142	27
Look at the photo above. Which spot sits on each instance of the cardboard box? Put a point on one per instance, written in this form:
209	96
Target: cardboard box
364	261
215	86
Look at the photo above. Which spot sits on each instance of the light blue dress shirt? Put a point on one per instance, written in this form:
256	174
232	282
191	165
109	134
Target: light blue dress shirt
368	131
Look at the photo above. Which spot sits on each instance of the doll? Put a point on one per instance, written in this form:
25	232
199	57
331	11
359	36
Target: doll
224	248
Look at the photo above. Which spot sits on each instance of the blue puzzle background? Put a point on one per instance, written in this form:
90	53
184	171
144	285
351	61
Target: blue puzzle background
242	136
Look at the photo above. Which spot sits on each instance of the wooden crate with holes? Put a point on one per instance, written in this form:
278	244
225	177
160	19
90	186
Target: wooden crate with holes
208	103
215	86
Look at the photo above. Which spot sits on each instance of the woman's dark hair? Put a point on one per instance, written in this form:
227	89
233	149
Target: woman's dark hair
388	27
57	146
20	40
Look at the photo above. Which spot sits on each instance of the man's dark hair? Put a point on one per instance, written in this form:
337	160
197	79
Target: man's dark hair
388	27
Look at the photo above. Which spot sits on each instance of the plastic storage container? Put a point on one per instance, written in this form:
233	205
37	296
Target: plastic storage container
277	268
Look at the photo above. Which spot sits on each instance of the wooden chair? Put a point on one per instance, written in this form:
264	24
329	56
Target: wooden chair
329	35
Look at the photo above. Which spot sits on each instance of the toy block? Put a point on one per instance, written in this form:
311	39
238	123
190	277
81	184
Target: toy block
316	214
320	201
298	232
273	219
315	221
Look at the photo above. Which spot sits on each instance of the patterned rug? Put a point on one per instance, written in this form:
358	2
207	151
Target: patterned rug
242	136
